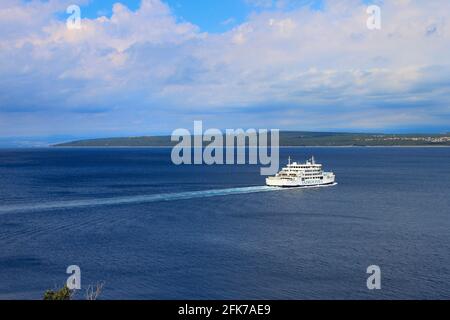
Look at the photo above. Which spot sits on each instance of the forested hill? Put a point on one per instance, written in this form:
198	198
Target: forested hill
287	138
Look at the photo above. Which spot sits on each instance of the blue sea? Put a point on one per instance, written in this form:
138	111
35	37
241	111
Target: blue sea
149	229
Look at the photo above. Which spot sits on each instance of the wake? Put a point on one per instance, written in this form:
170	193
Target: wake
70	204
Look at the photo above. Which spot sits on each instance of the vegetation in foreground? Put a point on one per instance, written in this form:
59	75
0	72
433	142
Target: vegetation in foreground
93	292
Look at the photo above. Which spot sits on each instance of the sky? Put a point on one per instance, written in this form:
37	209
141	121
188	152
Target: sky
142	67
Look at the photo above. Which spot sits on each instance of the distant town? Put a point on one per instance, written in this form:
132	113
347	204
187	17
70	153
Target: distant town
427	140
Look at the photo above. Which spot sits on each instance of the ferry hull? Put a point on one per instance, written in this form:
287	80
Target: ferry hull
282	183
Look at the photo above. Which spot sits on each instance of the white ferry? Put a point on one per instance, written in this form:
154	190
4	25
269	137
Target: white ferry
309	174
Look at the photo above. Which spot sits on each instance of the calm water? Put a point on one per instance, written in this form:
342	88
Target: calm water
151	230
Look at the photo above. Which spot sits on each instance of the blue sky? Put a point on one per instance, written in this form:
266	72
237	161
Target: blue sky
209	15
150	67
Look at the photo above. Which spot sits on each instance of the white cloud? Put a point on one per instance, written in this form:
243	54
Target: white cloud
303	64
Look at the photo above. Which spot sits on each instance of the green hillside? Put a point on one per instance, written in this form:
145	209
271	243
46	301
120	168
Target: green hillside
287	138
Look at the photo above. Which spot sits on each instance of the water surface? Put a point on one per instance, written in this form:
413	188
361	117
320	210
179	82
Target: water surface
152	230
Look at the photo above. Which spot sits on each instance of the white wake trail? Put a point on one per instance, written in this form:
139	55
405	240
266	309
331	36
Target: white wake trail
70	204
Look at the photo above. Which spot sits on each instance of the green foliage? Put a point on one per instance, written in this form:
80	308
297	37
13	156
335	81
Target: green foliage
92	293
62	294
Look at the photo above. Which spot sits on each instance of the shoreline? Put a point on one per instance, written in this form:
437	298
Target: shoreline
169	147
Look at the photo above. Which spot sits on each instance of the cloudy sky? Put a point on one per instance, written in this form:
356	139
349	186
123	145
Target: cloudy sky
151	66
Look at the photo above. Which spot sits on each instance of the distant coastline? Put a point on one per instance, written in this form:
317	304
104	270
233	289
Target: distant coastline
289	139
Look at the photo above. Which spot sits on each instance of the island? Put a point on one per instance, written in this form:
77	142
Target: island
287	139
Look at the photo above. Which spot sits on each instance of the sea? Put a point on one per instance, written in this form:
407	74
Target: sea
148	229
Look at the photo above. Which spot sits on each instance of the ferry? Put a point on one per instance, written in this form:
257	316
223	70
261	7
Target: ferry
295	175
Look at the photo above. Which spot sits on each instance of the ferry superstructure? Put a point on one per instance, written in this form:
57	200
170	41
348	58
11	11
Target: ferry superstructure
309	174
